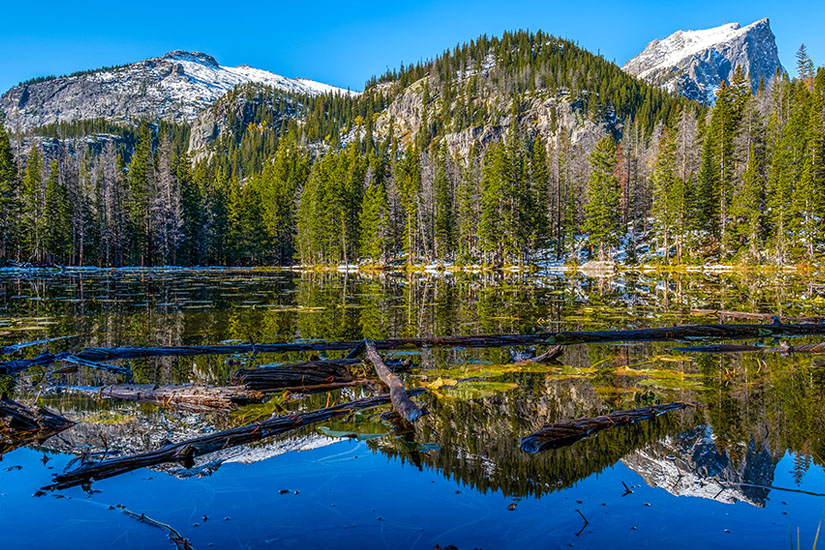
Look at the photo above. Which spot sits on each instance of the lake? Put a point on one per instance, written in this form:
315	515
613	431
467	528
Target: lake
747	470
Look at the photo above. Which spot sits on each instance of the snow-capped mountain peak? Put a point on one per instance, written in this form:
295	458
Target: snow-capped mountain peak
695	62
176	86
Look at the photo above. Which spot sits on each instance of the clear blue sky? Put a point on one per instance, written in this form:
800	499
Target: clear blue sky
346	42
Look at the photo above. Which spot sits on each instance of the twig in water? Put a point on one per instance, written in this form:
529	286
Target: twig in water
627	490
586	523
180	542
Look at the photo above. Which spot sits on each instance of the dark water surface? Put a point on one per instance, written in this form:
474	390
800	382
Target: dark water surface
747	472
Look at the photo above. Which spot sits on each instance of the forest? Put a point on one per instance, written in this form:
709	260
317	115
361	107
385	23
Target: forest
322	181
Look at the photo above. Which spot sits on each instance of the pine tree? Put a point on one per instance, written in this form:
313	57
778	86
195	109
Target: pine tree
33	207
602	215
57	234
374	214
408	178
748	207
141	172
669	203
490	225
444	223
8	198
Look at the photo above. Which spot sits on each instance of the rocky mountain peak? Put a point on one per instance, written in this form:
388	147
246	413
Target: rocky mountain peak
195	57
695	62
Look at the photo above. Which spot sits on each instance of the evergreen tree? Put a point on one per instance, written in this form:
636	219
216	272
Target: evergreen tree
33	204
57	230
8	198
669	206
602	215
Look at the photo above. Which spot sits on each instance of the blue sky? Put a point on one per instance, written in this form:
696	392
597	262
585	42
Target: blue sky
346	42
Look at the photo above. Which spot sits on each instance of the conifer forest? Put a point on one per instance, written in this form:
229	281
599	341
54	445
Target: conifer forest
332	179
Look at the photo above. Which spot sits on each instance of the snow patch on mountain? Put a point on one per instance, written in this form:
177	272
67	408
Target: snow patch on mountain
177	86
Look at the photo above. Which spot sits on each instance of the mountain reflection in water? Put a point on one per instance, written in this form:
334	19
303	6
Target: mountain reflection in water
764	428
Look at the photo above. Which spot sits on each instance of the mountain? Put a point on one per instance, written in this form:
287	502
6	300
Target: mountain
694	63
175	87
466	99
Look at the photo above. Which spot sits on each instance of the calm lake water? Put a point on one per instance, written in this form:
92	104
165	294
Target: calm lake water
746	472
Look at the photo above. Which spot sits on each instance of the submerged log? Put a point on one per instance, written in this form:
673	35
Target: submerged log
550	355
80	361
563	434
186	451
21	425
722	348
298	375
17	347
400	400
686	332
748	315
193	397
783	348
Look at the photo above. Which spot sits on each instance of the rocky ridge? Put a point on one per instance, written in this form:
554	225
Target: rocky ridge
176	87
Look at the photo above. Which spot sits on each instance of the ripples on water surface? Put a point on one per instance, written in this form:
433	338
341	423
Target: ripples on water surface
746	472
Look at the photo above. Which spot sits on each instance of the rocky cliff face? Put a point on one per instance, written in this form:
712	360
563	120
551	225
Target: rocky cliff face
694	63
544	114
177	87
234	111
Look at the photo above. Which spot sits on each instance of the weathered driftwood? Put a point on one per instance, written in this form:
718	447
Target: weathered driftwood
185	451
749	315
21	425
307	374
562	434
686	332
194	397
400	400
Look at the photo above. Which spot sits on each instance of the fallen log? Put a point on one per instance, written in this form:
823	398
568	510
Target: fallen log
21	425
563	434
194	397
400	401
307	374
185	451
685	332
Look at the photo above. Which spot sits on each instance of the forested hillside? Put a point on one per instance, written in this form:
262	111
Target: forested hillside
516	149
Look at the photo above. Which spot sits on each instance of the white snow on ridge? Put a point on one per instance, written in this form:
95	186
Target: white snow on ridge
176	86
666	53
